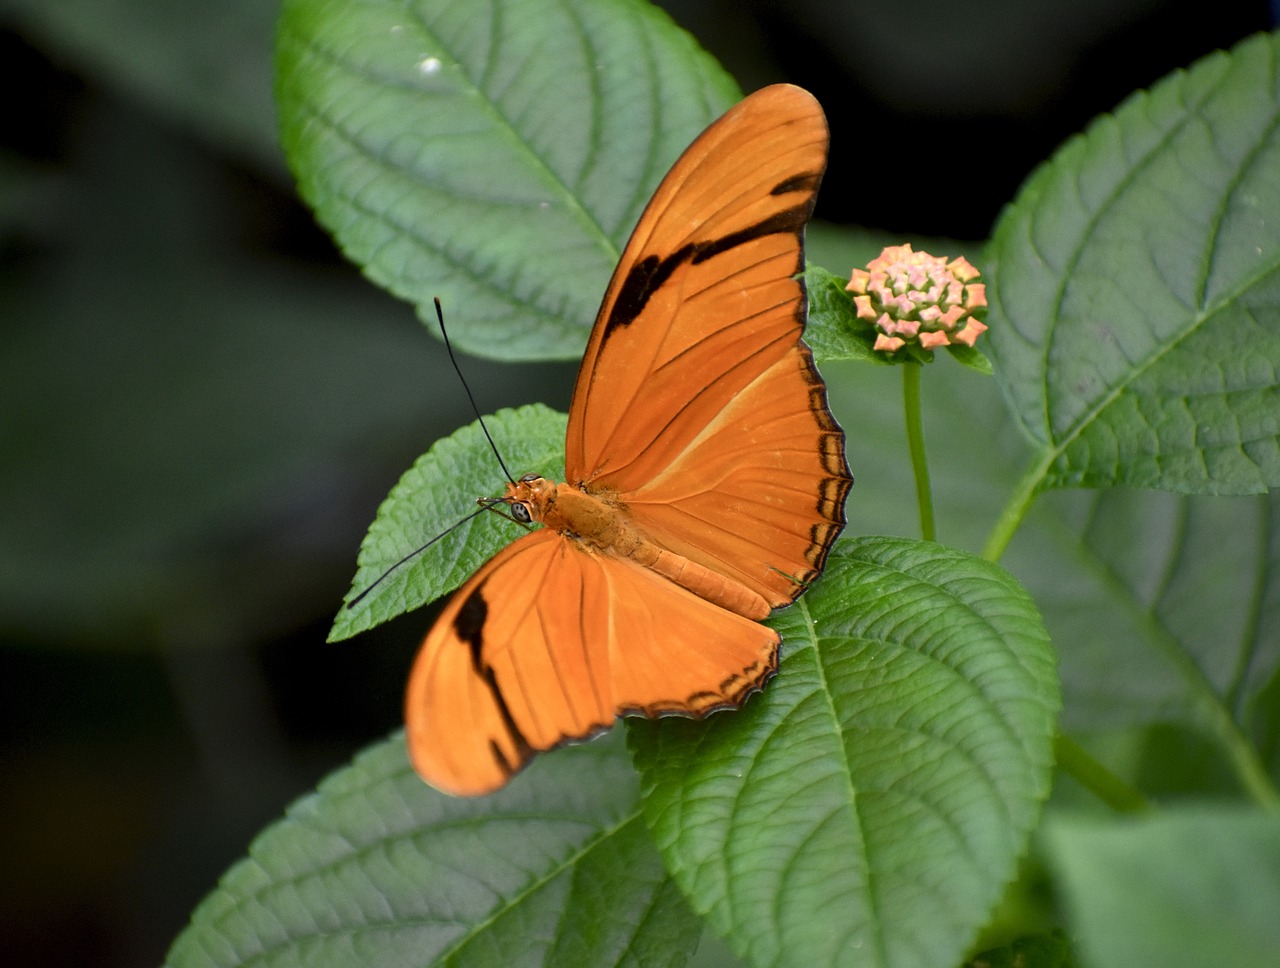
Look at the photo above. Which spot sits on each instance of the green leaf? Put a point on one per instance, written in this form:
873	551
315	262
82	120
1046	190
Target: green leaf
495	155
871	804
1135	310
1189	887
376	869
1163	607
972	357
1166	609
433	500
834	332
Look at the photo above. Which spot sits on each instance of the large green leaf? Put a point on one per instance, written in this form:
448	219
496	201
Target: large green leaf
433	500
1135	315
494	154
870	806
1163	607
1185	888
376	869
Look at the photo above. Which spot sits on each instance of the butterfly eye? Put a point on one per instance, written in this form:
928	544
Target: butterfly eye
521	513
529	478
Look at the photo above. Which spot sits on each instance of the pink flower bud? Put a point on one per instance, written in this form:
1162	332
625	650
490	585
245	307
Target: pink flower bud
914	296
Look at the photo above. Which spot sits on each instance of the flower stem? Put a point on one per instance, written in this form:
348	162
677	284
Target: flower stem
915	444
1076	762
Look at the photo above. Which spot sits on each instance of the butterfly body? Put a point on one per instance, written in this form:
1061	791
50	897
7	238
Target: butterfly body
601	525
705	475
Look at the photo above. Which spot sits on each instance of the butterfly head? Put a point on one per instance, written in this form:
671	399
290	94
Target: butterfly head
530	497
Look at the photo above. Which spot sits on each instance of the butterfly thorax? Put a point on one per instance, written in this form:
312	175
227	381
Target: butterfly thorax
576	514
596	524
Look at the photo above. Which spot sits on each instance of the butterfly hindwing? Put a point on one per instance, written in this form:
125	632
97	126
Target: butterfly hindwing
548	643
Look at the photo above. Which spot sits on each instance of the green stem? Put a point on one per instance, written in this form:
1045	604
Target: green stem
1249	768
915	444
1014	511
1253	775
1076	762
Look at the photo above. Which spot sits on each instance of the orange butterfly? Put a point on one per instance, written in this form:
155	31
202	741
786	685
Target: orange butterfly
706	479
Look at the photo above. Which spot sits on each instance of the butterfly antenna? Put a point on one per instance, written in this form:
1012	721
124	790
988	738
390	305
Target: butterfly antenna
414	553
458	370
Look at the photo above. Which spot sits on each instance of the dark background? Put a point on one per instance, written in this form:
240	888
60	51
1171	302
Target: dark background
202	404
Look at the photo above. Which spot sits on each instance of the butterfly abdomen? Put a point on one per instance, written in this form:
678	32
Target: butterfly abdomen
705	583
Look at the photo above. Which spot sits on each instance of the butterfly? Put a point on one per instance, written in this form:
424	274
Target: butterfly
705	479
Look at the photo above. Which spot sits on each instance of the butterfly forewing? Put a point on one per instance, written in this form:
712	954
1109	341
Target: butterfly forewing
697	402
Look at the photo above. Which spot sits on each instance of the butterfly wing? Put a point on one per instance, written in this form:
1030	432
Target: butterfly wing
548	642
697	405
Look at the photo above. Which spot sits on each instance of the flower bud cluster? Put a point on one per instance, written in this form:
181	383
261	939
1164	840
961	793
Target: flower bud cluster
916	297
